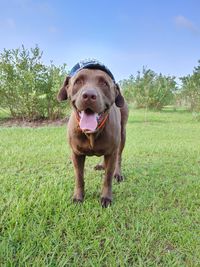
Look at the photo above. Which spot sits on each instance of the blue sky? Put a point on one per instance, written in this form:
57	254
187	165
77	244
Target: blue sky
124	35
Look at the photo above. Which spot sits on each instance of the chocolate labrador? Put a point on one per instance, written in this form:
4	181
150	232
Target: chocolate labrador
96	125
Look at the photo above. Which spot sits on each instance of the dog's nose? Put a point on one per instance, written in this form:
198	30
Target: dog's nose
89	95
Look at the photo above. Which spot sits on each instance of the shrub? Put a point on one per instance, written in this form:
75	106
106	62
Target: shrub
28	88
149	89
191	89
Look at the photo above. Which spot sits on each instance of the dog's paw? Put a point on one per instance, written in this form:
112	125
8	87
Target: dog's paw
99	167
118	177
78	197
105	202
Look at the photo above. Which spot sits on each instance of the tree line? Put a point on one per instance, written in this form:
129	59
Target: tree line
28	87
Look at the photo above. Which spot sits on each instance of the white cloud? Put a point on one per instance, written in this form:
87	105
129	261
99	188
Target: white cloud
183	22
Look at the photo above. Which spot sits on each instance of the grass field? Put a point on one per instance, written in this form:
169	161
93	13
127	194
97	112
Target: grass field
155	216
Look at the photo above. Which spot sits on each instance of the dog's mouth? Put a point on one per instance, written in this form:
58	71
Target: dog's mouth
89	121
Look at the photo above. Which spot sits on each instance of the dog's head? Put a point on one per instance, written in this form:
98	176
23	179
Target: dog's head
92	91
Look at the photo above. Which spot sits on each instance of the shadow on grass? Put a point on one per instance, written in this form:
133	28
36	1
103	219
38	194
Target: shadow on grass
132	121
180	111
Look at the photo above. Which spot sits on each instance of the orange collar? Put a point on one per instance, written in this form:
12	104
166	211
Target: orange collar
100	125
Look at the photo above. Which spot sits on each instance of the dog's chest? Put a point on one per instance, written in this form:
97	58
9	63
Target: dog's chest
89	147
89	151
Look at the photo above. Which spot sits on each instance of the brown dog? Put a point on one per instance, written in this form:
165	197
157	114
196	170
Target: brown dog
96	125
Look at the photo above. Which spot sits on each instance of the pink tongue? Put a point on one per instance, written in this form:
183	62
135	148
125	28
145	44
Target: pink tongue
88	121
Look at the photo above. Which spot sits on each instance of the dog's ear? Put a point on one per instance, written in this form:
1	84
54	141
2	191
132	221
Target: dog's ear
119	100
62	95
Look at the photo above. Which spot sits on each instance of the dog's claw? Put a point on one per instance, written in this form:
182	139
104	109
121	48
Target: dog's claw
77	200
105	202
119	178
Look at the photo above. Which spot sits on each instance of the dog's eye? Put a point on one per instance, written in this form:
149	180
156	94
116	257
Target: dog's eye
78	82
103	83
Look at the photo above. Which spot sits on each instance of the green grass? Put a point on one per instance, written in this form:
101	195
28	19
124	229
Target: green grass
155	216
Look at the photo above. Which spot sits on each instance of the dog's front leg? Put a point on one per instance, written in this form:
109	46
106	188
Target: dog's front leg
78	161
110	161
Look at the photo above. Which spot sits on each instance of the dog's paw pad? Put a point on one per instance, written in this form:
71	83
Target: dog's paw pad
118	177
105	202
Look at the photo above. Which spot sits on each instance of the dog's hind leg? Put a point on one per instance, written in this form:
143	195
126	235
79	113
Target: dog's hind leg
118	173
100	166
124	117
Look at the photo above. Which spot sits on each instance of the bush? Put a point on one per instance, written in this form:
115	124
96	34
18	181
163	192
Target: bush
191	89
28	88
149	89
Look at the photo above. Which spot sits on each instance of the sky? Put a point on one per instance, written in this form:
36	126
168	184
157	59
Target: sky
124	35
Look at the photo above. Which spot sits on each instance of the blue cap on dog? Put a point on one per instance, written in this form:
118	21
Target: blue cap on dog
90	64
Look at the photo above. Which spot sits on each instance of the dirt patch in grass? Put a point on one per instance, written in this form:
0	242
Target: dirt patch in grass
32	124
